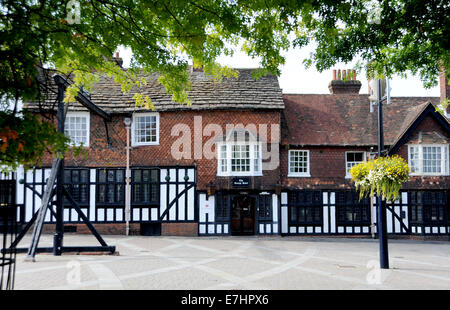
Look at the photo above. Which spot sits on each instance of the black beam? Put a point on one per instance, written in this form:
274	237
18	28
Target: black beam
83	98
59	227
84	218
67	249
184	191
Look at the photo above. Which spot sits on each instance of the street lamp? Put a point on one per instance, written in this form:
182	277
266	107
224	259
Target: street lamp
380	91
127	122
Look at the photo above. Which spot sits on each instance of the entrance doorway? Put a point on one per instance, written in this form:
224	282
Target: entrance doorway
243	215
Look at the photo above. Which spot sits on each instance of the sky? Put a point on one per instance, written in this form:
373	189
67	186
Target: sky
295	78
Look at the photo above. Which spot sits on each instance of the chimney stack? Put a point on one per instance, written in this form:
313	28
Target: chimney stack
445	89
118	60
345	85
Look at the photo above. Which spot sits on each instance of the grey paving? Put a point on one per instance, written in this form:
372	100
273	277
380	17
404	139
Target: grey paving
238	263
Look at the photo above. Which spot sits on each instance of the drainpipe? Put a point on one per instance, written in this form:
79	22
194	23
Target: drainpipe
127	122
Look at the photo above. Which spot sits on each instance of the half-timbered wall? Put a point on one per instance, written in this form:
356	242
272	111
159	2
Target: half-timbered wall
215	214
100	193
415	212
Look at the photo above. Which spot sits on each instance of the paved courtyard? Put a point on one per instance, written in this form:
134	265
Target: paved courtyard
238	263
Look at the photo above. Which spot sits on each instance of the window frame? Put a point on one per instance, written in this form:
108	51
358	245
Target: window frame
222	207
298	200
299	174
347	172
444	161
253	159
84	114
352	205
156	184
421	209
265	209
133	128
115	183
71	187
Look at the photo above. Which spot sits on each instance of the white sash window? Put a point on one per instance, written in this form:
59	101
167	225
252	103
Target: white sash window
145	129
299	163
352	159
239	159
429	159
76	127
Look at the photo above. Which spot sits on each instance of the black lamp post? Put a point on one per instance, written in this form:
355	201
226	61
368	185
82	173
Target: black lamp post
382	231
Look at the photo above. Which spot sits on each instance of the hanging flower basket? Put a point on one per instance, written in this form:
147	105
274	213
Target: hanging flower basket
382	176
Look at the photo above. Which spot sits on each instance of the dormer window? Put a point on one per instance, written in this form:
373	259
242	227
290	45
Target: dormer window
239	155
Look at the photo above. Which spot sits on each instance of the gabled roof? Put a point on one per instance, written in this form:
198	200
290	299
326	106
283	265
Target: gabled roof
346	120
409	126
240	93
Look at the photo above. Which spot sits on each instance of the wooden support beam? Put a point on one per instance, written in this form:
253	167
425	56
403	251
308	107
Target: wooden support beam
83	98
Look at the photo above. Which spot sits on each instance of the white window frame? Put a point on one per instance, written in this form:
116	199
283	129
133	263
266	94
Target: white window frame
444	161
253	159
299	174
133	124
87	116
347	173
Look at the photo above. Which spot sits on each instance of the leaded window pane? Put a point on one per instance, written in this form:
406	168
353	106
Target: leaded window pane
111	186
145	186
76	182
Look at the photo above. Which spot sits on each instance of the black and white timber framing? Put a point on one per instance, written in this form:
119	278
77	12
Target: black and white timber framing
416	212
174	187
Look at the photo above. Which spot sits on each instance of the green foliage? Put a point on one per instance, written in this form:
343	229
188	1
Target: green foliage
162	35
24	139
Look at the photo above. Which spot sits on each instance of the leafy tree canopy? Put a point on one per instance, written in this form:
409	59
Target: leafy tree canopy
79	38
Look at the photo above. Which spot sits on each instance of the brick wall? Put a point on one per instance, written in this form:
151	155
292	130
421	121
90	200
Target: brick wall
429	131
103	229
327	164
327	169
179	229
100	155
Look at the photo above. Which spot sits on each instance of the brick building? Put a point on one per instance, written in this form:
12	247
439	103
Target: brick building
244	158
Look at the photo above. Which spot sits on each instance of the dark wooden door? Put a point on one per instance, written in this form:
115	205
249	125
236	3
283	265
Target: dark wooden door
243	215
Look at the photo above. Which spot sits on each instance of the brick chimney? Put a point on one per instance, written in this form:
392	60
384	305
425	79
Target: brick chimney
118	59
445	88
344	82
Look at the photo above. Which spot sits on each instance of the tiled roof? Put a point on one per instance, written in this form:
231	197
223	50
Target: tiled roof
243	92
342	120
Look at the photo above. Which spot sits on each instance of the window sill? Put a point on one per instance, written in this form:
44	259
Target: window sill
428	175
299	175
79	145
240	175
145	144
